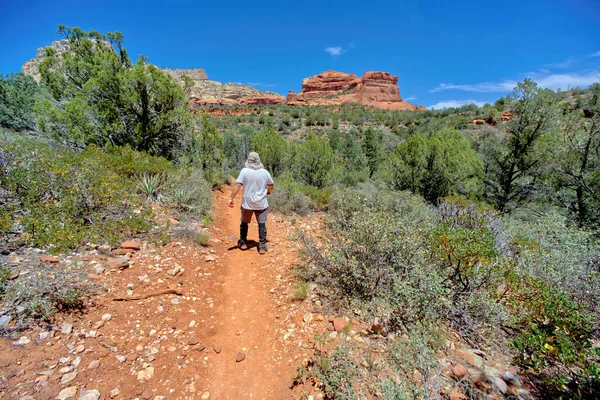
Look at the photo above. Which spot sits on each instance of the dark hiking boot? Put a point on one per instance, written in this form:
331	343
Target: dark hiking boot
262	234
243	236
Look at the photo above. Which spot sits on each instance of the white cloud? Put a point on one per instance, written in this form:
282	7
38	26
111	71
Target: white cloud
566	81
335	51
545	80
410	98
485	87
596	54
455	104
560	65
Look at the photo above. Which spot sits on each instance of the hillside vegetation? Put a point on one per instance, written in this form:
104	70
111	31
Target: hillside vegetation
479	221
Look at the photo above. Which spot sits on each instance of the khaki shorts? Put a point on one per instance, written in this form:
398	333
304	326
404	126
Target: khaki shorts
261	215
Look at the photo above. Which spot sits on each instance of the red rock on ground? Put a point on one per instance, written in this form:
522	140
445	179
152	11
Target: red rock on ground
121	252
454	395
131	244
459	371
117	263
49	259
339	324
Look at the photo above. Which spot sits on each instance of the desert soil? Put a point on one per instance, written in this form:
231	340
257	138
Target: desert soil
235	332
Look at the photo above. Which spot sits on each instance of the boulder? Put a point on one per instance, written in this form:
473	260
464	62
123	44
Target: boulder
131	244
339	324
117	263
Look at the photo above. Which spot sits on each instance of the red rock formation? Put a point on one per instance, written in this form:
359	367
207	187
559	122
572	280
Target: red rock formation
261	100
377	89
250	100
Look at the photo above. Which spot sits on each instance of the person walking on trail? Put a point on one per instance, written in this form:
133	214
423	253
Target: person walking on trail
257	183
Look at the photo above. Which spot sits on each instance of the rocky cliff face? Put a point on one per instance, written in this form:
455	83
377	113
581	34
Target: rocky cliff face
376	89
204	91
31	67
209	92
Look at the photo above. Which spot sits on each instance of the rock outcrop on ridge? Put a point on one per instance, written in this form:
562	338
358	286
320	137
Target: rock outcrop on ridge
376	89
204	91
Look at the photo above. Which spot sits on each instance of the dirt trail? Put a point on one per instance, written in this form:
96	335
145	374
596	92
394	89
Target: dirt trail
249	315
163	347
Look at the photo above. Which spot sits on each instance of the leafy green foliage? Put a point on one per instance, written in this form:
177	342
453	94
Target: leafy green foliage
435	166
18	94
273	150
512	164
64	198
313	161
100	98
576	160
204	149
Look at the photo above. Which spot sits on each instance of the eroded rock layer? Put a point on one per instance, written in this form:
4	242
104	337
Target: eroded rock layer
376	89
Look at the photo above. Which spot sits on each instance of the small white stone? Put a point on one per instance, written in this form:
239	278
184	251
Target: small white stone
106	317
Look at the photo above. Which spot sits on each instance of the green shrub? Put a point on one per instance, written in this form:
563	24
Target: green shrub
301	290
288	196
556	341
415	352
47	290
188	192
64	198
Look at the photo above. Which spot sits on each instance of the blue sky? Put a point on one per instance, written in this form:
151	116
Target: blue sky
444	52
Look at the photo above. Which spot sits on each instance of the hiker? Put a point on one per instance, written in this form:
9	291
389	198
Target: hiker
257	183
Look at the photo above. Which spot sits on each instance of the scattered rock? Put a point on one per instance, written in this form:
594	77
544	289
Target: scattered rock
94	364
23	340
217	349
455	395
338	324
308	318
67	393
146	373
117	263
106	317
49	259
147	394
459	371
114	393
90	395
498	385
4	320
470	357
66	329
205	395
240	357
131	244
121	252
511	378
192	340
68	377
210	258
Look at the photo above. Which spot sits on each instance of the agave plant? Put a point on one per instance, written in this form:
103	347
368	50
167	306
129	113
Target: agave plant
148	185
182	197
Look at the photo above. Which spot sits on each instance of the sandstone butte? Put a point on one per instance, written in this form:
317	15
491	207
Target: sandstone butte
375	89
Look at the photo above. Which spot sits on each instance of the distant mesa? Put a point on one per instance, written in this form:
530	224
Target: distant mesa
376	89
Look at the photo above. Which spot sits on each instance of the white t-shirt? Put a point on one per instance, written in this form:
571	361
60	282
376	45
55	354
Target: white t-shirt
255	183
